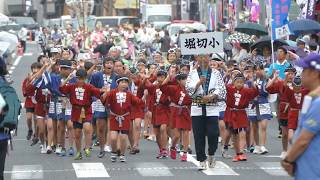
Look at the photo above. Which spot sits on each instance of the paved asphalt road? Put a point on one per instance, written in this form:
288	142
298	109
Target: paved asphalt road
26	162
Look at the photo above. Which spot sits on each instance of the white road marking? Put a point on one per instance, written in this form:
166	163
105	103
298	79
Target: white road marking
90	170
153	169
16	62
220	169
271	156
27	172
272	168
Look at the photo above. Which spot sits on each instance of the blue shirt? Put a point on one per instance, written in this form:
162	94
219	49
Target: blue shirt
55	84
309	161
4	137
279	67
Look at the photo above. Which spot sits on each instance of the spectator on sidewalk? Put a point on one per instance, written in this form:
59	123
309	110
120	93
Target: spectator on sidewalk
23	36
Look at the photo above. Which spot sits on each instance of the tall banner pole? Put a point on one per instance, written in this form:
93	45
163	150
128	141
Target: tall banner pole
271	34
215	15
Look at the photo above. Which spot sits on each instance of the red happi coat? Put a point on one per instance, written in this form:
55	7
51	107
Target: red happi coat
237	100
120	103
42	98
137	111
180	116
149	103
282	89
80	99
295	101
159	104
28	103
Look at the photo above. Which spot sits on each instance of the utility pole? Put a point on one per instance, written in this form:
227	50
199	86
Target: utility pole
110	7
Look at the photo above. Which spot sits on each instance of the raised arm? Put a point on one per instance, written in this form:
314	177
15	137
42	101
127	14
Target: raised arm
270	87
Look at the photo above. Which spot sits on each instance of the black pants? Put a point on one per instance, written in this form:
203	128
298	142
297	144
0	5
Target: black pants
205	126
3	153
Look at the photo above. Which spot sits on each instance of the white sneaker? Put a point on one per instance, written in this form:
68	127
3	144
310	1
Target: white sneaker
107	148
58	150
203	165
264	150
49	150
219	139
257	150
43	149
122	158
283	154
211	162
224	153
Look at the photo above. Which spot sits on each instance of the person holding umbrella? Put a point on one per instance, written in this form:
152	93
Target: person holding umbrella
281	64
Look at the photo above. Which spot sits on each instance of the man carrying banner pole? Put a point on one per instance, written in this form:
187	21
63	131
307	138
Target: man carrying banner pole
206	87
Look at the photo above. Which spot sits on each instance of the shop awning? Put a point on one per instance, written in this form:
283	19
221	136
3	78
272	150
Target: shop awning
126	4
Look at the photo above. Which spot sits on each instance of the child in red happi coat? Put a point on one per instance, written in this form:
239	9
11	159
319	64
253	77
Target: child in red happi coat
296	96
29	103
81	94
119	101
137	114
282	87
180	113
236	120
160	111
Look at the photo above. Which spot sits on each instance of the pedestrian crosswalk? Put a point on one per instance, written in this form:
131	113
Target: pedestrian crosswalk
153	169
90	170
221	169
144	169
27	172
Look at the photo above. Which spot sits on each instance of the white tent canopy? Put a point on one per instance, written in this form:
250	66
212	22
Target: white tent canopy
4	18
10	38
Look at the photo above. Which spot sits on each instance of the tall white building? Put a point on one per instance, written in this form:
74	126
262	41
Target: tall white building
3	7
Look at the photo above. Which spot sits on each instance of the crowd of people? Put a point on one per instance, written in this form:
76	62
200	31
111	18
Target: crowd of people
137	81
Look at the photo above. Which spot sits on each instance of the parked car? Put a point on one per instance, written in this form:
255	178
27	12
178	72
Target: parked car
29	22
177	25
51	22
12	27
115	21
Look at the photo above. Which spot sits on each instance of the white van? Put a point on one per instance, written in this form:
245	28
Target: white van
115	21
